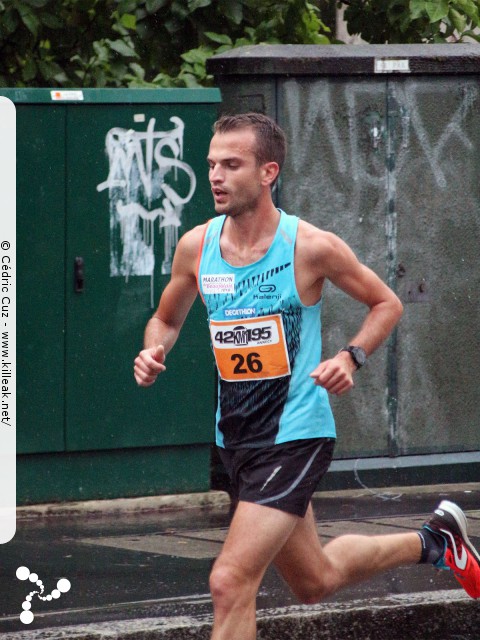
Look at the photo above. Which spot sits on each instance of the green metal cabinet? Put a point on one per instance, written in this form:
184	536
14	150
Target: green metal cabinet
108	180
41	277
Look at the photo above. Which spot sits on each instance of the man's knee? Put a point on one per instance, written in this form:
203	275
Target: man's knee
313	593
222	581
230	584
314	586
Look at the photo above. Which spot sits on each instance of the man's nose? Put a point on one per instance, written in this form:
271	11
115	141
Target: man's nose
216	174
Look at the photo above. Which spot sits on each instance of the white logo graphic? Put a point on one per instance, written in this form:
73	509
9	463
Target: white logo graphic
271	477
23	573
248	311
460	562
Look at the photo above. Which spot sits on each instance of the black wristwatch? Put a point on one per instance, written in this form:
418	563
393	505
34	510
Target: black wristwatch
358	354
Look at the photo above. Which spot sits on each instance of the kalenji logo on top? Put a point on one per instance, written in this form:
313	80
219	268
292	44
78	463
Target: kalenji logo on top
267	288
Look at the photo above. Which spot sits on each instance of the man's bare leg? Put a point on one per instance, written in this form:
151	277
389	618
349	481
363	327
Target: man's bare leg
255	537
259	535
314	572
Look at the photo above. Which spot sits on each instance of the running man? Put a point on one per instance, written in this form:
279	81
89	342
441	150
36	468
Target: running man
260	273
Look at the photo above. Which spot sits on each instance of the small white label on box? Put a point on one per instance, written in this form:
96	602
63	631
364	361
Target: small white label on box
66	95
383	65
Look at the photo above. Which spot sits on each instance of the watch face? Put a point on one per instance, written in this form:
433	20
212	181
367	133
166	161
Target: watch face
359	356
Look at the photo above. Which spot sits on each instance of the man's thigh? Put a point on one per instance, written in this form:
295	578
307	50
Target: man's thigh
255	537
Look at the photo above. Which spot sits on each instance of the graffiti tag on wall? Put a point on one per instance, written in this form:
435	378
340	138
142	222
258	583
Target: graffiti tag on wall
146	179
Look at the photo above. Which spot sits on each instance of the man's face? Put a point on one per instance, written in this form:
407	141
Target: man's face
235	177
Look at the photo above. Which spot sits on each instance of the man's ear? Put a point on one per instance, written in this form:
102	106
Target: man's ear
270	171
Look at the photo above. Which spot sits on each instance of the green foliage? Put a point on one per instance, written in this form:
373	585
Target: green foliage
64	43
413	21
139	43
165	43
202	28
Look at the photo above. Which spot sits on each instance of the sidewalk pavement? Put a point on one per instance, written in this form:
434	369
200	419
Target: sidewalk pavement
138	570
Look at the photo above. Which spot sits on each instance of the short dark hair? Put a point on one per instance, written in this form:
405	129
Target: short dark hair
271	141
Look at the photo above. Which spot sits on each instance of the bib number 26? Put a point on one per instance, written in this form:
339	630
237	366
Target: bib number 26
250	348
244	364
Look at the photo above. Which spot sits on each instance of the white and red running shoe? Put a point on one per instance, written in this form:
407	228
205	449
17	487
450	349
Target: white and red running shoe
449	521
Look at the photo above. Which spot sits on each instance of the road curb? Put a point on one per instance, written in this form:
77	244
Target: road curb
208	500
211	500
444	615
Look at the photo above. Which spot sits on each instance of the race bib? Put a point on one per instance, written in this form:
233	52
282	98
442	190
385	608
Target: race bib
250	348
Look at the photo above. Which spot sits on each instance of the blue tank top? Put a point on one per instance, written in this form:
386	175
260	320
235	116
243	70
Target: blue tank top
265	342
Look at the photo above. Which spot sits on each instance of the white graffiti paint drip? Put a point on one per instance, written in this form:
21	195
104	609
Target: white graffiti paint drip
145	181
23	573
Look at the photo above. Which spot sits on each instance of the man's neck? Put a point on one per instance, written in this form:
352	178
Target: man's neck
247	237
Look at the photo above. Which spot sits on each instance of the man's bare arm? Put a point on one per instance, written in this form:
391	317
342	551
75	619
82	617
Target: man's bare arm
338	263
164	326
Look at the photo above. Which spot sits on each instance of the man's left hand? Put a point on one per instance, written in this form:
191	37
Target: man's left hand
335	375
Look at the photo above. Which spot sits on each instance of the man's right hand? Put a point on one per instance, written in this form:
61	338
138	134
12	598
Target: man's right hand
148	364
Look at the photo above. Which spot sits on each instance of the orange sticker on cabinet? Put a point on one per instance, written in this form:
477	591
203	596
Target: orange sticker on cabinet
250	348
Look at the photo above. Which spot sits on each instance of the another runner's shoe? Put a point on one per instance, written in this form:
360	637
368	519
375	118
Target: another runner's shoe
460	555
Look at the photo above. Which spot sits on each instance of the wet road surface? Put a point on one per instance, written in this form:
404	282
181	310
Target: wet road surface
128	568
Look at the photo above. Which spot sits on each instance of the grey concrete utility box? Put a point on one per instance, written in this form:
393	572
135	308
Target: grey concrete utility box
385	152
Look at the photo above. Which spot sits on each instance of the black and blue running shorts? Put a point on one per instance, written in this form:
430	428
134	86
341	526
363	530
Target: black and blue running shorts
283	476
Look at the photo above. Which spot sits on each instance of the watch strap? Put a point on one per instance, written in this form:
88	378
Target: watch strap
358	355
